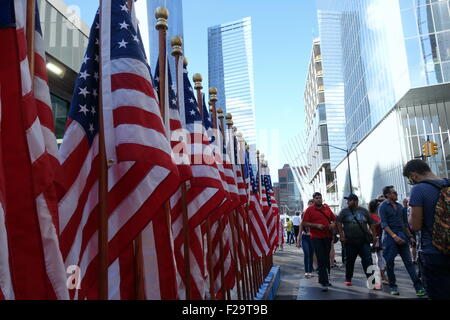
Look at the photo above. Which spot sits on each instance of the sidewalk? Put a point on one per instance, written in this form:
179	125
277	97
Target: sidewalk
292	279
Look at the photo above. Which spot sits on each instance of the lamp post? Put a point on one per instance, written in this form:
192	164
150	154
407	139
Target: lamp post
347	151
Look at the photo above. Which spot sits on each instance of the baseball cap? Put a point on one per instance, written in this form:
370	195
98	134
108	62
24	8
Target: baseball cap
351	196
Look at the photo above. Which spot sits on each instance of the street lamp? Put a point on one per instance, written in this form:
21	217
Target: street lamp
347	151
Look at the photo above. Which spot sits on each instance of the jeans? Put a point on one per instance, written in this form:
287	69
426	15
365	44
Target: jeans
352	251
322	248
390	250
308	253
435	270
289	237
296	232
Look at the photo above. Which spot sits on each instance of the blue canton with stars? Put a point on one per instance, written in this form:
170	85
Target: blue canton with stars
125	43
207	121
172	92
192	112
250	173
267	185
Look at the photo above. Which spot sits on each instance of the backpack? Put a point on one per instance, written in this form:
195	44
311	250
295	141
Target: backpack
441	225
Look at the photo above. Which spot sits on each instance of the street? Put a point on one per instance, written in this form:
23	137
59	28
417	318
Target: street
294	286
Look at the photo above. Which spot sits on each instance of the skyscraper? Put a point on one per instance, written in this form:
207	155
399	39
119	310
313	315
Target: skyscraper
395	71
230	70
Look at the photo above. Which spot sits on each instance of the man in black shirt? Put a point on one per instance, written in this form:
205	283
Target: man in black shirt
352	225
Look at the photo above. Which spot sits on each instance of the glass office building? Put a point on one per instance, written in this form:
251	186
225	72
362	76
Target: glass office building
388	47
395	69
230	70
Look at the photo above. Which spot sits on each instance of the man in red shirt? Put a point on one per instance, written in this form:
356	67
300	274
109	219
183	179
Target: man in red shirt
321	221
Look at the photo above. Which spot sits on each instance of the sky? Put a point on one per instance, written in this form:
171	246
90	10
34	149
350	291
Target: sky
283	31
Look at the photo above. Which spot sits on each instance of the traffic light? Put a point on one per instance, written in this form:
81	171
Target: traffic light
433	148
426	150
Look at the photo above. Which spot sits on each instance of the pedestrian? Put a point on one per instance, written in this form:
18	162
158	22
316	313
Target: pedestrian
289	231
352	224
321	221
296	223
376	247
428	200
304	242
396	239
413	245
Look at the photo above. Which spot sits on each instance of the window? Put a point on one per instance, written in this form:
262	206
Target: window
60	109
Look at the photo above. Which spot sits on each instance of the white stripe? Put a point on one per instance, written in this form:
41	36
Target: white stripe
20	11
5	273
105	63
54	264
130	65
151	268
114	280
68	204
200	200
35	139
25	76
41	92
72	138
50	142
133	98
131	133
39	44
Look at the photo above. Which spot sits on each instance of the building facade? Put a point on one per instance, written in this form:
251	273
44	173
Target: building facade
66	39
230	70
289	199
395	71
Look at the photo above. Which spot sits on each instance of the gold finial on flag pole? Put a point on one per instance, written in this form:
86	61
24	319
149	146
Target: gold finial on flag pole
176	44
161	15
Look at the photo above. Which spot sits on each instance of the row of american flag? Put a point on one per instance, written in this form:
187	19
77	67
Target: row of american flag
206	227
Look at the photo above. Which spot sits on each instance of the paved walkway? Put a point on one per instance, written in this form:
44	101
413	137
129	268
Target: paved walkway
295	286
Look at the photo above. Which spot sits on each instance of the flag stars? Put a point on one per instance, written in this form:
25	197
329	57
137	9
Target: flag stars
174	87
84	91
83	109
191	100
85	60
192	112
93	110
190	89
94	93
84	74
122	44
91	128
124	8
96	57
135	38
124	25
96	76
96	41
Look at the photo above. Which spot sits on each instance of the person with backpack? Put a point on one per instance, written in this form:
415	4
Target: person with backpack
321	222
430	214
396	239
352	225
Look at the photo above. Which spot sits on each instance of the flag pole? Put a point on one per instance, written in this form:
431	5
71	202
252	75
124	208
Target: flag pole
30	31
197	78
103	195
176	44
237	266
139	286
213	100
161	15
221	226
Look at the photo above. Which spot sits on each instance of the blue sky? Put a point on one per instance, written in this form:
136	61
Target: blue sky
282	38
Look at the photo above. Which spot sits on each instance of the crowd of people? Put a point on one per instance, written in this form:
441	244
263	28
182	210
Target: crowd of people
418	231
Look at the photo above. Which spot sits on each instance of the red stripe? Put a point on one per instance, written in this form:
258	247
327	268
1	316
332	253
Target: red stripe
127	274
22	44
29	276
138	116
70	169
133	82
45	115
40	67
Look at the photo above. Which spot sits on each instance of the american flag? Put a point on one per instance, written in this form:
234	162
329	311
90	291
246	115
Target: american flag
258	226
272	215
28	151
141	174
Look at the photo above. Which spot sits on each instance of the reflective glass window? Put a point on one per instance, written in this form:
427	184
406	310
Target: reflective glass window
429	47
409	23
425	20
446	71
413	52
406	4
441	13
444	45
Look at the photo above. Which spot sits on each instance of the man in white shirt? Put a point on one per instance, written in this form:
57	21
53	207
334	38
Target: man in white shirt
296	222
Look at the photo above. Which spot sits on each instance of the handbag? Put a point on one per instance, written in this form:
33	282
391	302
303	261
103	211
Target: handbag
368	236
335	236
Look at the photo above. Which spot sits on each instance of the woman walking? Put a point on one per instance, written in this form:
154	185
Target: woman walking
304	242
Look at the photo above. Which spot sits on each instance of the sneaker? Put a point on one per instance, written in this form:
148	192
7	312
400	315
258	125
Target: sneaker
394	292
348	283
307	276
421	293
324	288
